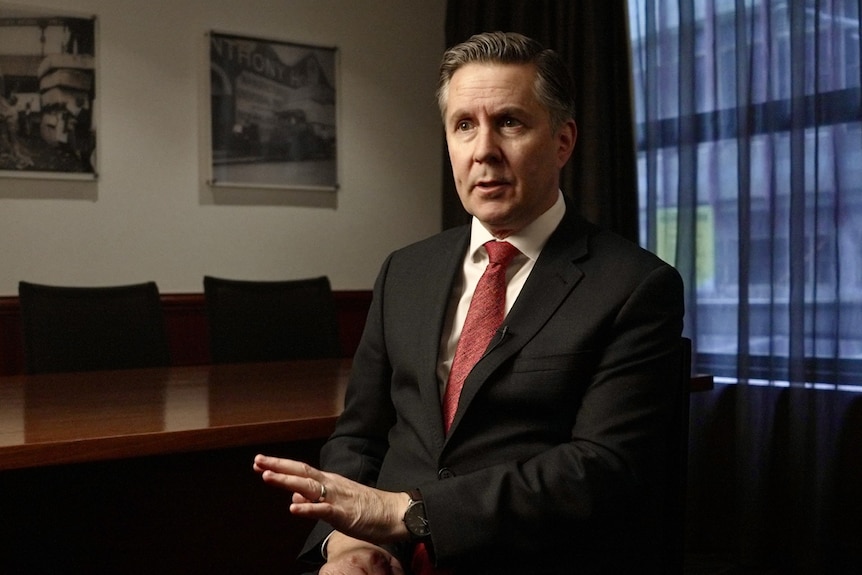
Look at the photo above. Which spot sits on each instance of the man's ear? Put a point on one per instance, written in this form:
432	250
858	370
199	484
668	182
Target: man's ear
567	135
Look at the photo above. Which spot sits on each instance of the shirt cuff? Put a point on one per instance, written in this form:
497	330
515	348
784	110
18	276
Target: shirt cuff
323	546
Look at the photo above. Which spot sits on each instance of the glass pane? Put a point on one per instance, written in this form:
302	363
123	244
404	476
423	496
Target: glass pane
775	173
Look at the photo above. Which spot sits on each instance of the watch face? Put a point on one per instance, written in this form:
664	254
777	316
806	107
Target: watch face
415	520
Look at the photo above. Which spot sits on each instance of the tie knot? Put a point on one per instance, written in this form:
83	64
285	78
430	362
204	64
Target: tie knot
500	252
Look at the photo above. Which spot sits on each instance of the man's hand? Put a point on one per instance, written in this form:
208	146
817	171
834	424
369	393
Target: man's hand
353	509
348	556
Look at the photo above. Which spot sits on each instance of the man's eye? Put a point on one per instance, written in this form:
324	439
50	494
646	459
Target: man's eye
510	123
463	126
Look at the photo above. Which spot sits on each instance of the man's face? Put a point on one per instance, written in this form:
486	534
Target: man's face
506	159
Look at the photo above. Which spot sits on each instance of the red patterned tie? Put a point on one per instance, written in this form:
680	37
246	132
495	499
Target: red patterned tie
487	309
486	313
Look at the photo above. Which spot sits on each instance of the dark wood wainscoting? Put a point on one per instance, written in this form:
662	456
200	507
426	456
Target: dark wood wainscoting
186	322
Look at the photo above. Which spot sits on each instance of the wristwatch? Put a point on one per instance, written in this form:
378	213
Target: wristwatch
414	518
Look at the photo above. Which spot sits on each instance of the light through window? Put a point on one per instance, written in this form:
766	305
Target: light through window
750	178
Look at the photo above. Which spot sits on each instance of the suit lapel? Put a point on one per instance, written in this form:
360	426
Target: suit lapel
432	304
553	277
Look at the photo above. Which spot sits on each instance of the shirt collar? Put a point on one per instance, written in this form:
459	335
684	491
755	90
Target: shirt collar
529	240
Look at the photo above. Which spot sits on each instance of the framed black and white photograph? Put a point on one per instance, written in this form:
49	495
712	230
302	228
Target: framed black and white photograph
273	114
47	94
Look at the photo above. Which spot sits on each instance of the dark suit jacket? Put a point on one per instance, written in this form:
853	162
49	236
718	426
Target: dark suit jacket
556	453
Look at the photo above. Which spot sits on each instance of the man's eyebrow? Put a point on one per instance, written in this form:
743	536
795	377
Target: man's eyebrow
519	111
456	113
511	111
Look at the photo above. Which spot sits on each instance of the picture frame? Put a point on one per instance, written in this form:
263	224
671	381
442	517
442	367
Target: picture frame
48	72
272	117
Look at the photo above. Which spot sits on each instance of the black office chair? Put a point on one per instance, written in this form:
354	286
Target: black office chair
92	328
271	320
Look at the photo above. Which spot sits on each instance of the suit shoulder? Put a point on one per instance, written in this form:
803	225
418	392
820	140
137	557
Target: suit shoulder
604	243
612	259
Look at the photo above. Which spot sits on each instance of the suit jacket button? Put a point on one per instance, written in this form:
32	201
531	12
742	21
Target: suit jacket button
445	473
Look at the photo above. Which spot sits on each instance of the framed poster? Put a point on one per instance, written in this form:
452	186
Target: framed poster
272	114
47	94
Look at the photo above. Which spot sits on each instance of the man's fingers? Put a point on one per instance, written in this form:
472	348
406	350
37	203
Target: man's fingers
286	466
278	464
300	478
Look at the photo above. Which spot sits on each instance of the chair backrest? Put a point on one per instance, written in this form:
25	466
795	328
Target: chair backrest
271	320
92	328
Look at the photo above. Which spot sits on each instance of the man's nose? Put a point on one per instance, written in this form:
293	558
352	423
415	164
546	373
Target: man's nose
486	146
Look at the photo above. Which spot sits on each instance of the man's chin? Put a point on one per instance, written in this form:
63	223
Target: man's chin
491	210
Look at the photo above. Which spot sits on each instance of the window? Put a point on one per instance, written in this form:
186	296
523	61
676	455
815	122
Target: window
749	135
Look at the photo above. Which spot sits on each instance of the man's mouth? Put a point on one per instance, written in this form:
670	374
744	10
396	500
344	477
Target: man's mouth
490	185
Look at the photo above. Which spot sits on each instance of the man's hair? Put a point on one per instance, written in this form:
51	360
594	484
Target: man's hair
554	87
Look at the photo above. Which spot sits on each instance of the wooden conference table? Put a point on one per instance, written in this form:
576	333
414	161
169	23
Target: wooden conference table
77	417
150	471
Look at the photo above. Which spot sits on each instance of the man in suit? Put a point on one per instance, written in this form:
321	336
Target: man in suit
554	458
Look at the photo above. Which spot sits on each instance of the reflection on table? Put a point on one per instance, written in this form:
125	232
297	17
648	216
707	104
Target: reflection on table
70	418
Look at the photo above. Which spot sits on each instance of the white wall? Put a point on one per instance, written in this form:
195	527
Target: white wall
150	214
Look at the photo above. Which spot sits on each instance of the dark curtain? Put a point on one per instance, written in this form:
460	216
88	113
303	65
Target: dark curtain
593	38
